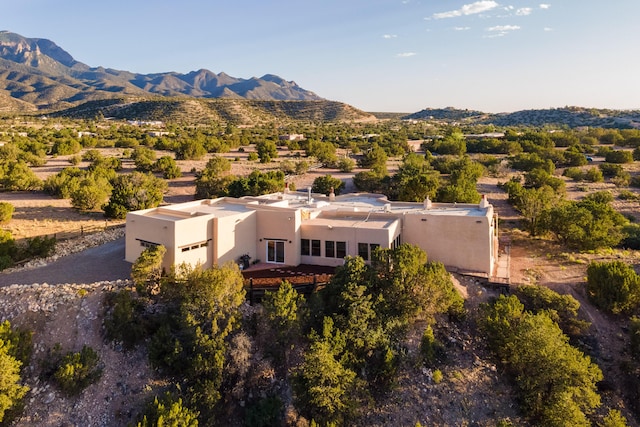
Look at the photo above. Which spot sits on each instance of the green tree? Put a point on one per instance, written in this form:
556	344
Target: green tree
325	385
15	351
324	184
282	310
146	271
614	418
6	212
168	167
190	150
133	192
613	286
144	158
91	194
214	179
17	176
78	370
619	156
170	412
415	181
267	150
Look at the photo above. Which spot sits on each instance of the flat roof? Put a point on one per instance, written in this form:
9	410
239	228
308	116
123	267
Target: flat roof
215	207
351	222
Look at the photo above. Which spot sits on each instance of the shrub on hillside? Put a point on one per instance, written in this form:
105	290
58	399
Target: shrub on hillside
77	371
613	286
6	212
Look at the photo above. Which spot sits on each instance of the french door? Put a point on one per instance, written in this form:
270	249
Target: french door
275	251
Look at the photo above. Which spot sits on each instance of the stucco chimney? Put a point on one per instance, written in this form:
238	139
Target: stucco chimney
484	203
332	195
427	203
286	187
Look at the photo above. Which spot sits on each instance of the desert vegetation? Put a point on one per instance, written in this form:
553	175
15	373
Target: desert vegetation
338	356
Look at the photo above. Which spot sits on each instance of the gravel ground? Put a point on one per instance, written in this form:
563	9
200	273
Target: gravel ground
100	263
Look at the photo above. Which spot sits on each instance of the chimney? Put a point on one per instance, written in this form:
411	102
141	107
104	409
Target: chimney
286	187
309	195
332	195
427	203
483	202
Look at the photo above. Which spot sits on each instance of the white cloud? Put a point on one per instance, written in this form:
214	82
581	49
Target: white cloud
524	11
406	54
468	9
461	28
548	29
503	28
389	36
545	6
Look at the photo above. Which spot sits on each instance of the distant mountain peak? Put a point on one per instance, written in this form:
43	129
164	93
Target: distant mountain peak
40	72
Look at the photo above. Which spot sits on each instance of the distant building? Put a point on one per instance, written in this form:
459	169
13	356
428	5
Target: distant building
303	228
291	137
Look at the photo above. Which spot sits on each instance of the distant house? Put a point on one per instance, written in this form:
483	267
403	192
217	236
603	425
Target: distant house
293	228
291	137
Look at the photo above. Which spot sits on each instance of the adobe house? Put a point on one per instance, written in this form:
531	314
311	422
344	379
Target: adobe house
293	228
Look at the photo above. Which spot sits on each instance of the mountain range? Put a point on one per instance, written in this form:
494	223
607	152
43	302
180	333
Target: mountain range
38	75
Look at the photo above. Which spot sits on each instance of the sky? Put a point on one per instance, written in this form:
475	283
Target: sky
376	55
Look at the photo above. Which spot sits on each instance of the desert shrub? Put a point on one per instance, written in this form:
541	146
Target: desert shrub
430	348
627	195
324	184
190	150
8	249
574	173
16	175
144	158
169	411
635	181
610	170
619	156
92	156
6	212
40	246
133	192
264	413
613	286
63	147
636	153
74	160
168	167
346	164
11	391
91	194
77	371
634	331
631	238
593	175
253	156
123	321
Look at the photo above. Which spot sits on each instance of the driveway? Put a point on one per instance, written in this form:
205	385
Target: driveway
99	263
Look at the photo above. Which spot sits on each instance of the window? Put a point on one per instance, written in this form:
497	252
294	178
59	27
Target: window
305	247
330	249
396	242
275	251
147	244
363	251
335	249
315	248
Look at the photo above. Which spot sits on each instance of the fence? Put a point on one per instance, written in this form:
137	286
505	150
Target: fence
255	293
85	230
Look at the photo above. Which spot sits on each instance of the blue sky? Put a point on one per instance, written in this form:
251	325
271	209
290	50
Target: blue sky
377	55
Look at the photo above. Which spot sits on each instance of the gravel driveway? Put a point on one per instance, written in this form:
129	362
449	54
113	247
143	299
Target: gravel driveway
100	263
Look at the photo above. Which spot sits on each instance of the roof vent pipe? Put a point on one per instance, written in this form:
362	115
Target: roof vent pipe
309	195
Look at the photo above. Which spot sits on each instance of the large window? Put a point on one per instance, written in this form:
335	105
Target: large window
315	248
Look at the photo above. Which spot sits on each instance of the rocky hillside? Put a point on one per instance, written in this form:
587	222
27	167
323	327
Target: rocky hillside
36	74
568	116
236	111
